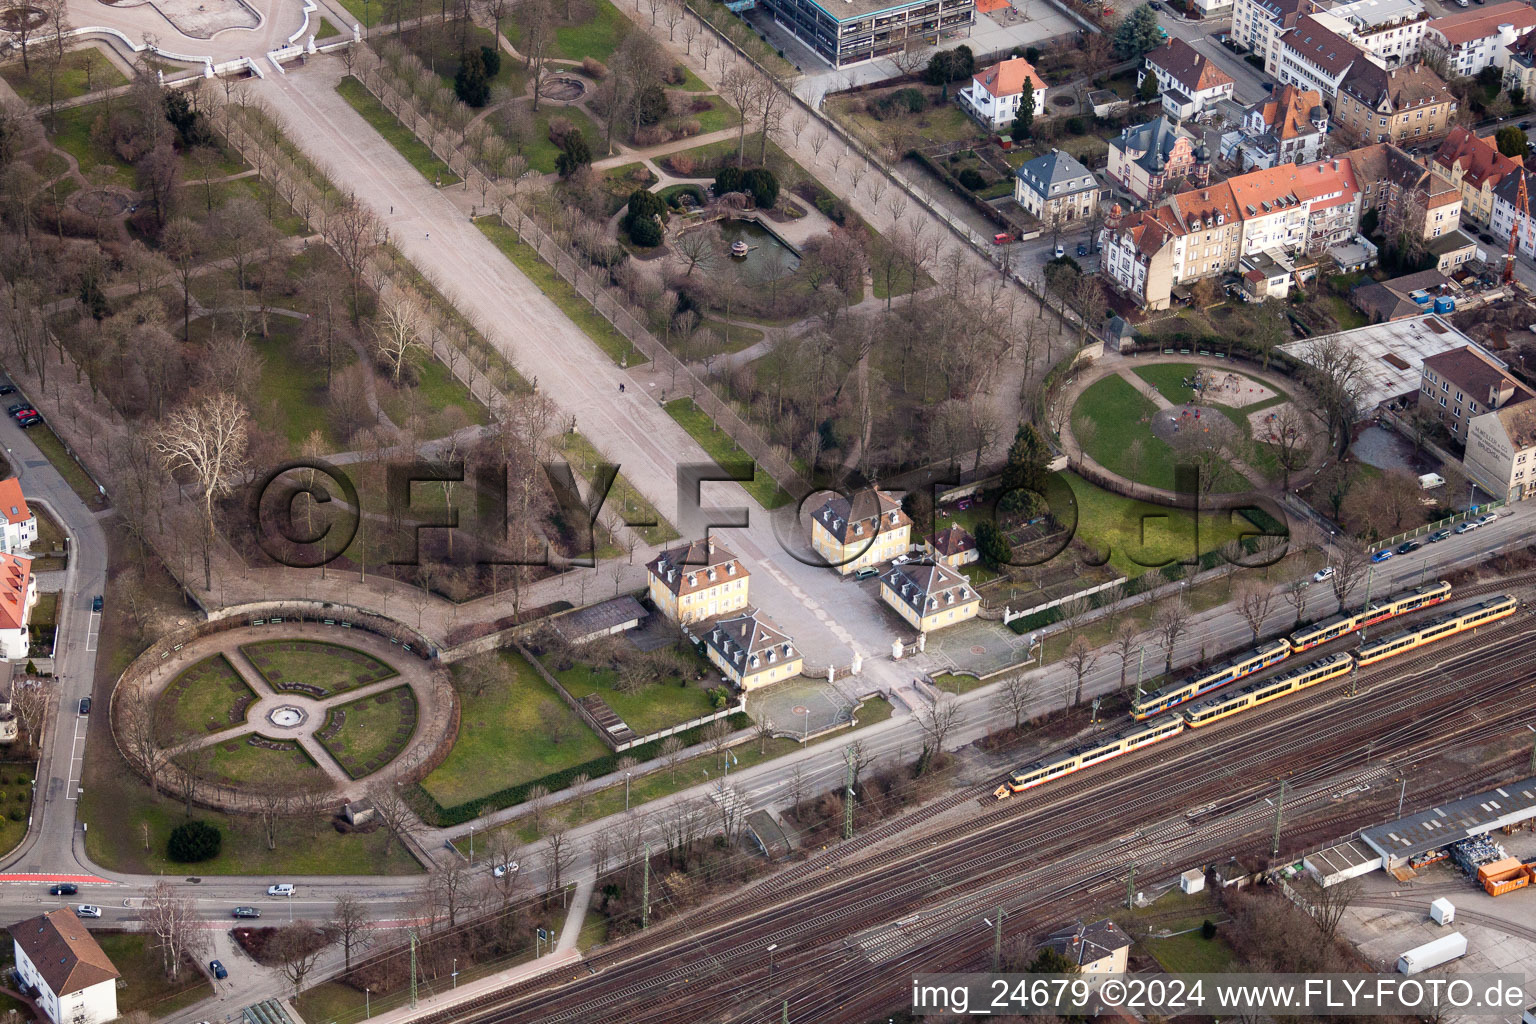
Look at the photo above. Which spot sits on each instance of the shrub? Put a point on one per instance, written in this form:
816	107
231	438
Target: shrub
1077	126
574	154
491	58
1032	54
1208	929
683	164
194	841
646	204
689	128
16	814
719	697
652	135
594	68
559	128
643	231
971	178
763	185
727	180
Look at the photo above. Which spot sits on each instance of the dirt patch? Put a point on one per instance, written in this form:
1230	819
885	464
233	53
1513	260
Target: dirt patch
1231	389
1179	421
1264	425
101	202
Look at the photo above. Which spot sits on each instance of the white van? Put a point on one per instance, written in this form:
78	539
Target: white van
280	889
1429	481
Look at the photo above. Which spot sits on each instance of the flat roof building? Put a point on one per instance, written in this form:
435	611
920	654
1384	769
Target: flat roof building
854	31
1439	827
1394	354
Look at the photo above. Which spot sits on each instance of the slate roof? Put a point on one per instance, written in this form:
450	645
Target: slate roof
699	565
1322	46
1086	944
1154	140
1188	66
927	587
850	519
1055	168
751	643
63	951
1399	88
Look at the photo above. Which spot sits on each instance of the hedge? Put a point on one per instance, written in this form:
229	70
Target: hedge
436	814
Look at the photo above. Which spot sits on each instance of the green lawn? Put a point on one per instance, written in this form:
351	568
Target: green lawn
367	15
291	396
69	468
598	36
437	391
332	667
691	82
372	730
1168	379
80	66
72	134
199	701
144	986
15	802
1190	953
542	153
722	449
956	684
237	761
720	115
602	333
656	706
631	504
502	737
326	30
396	134
1141	535
1121	417
734	337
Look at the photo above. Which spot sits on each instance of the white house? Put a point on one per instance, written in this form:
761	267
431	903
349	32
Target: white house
1479	38
18	593
1506	212
1391	29
19	528
1057	189
1316	55
1286	128
994	95
1259	24
75	981
1187	81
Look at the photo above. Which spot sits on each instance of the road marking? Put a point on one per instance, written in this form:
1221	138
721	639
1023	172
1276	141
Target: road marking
76	759
93	631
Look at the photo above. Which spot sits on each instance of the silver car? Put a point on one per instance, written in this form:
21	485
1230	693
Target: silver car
87	910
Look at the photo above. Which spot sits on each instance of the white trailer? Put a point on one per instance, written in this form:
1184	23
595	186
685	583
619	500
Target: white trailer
1432	954
1442	911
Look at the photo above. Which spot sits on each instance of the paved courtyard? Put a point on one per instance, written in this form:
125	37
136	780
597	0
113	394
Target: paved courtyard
979	646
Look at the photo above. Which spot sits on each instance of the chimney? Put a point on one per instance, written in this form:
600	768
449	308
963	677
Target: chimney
711	545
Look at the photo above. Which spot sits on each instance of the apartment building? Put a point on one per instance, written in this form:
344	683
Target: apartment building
1412	199
75	980
1520	66
1507	212
1476	167
1259	24
697	581
1316	55
1501	451
854	31
1147	158
1391	29
1478	38
1457	386
1405	105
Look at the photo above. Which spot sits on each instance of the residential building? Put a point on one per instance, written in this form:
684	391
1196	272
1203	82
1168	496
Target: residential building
9	726
75	980
1406	105
929	596
1259	24
19	528
1187	80
1056	189
863	530
1478	38
855	31
1520	65
750	650
995	92
1501	451
1411	199
1391	29
1507	213
1151	160
696	581
1476	167
952	547
1457	386
18	593
1287	128
1100	948
1316	55
1280	212
1398	299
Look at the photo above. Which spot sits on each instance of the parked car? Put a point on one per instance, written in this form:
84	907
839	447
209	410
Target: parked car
901	559
1485	520
21	409
1325	573
31	421
63	889
1382	555
866	572
1001	238
1061	251
246	912
96	603
85	706
280	889
217	970
504	869
86	910
1467	527
7	388
1407	546
1525	126
1437	536
14	409
1082	249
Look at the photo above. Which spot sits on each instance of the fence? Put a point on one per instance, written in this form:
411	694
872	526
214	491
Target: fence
1009	616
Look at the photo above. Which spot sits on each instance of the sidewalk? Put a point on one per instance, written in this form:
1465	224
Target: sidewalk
561	958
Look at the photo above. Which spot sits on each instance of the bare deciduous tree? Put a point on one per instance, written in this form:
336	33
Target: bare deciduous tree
559	852
1013	697
349	921
1080	658
136	726
1171	621
297	948
397	331
1254	598
209	438
172	919
937	721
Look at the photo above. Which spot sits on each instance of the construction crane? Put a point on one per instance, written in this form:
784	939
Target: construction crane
1522	216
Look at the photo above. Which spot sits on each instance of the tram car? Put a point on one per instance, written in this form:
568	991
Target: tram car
1197	684
1438	628
1262	691
1087	755
1315	633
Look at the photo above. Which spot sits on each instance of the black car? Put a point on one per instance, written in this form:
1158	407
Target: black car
217	970
7	389
85	705
30	421
1407	546
13	410
63	889
96	603
246	912
1082	249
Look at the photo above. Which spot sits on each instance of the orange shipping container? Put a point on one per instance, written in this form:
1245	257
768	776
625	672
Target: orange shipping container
1499	869
1499	888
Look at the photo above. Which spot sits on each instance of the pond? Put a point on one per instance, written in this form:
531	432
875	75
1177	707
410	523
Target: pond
766	254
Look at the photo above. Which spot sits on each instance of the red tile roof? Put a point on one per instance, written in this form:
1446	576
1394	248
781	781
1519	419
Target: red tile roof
15	575
1187	66
1008	77
1322	46
12	505
1479	159
63	951
1289	113
1469	25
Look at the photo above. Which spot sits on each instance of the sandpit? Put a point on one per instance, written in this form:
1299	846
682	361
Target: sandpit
1265	425
1225	387
1178	422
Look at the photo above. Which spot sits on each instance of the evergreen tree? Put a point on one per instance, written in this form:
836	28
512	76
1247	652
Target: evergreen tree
471	84
1137	34
1048	961
574	154
1024	120
1512	141
1148	90
992	545
491	58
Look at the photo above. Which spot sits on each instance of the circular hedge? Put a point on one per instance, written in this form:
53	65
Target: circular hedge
194	841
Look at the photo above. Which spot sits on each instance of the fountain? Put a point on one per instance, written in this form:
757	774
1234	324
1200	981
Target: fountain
287	716
757	248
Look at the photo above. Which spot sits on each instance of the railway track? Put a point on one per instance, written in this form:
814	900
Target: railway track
717	951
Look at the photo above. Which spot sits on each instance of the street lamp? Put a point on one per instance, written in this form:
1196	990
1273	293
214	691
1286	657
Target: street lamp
807	733
455	974
471	846
626	792
771	948
367	1002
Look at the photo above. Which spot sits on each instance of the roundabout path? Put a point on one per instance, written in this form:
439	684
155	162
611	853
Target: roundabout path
1112	364
296	716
